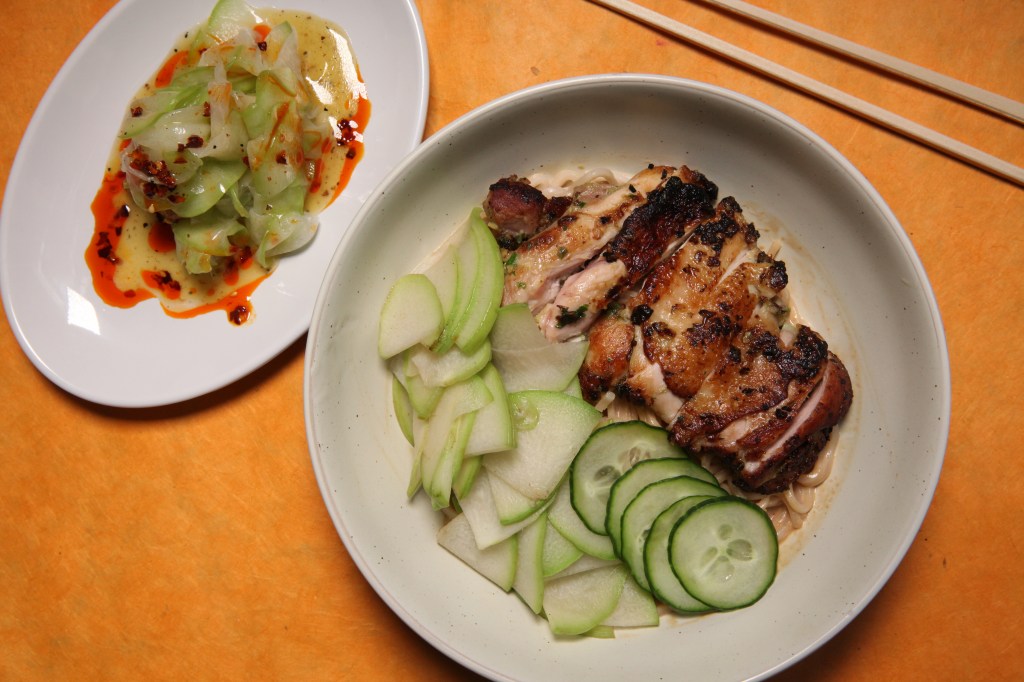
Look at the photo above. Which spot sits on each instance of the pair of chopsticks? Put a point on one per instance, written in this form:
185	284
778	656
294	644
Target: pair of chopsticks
995	103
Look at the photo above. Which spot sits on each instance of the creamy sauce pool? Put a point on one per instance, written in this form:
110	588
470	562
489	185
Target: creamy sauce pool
132	255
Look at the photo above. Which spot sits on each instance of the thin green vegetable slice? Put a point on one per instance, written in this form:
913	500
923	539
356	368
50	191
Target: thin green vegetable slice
644	509
632	482
610	452
724	552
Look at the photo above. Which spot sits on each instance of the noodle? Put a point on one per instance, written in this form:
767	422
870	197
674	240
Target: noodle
562	183
799	499
782	521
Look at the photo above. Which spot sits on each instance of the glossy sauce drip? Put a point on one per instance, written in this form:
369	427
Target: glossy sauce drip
161	237
110	216
132	255
354	143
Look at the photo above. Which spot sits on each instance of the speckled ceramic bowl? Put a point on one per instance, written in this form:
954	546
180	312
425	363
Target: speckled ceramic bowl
854	276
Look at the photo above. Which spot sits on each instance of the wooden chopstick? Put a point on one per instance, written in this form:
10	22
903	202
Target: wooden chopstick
854	105
957	89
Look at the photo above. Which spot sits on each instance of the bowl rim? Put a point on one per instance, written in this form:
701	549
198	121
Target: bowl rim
620	79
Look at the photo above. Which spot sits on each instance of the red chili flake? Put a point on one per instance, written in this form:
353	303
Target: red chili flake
165	281
206	109
194	142
239	315
281	157
262	45
136	112
244	257
157	170
151	189
347	131
104	249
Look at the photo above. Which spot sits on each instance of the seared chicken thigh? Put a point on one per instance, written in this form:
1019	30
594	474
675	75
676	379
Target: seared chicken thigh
518	210
684	314
653	229
537	268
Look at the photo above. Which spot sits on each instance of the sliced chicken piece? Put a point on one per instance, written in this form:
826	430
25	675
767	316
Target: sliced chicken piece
657	227
536	269
606	366
646	383
756	374
517	210
684	314
677	301
767	450
690	309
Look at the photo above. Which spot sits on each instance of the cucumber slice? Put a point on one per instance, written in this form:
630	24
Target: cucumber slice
228	16
403	408
563	517
497	563
524	356
489	281
559	553
449	367
439	438
636	608
444	274
411	314
550	428
493	431
577	603
645	507
632	482
725	552
478	506
467	476
422	397
515	329
415	475
601	632
586	562
512	506
662	581
438	485
419	430
529	580
610	452
463	250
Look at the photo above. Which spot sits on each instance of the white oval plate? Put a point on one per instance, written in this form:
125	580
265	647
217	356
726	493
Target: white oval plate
141	357
855	278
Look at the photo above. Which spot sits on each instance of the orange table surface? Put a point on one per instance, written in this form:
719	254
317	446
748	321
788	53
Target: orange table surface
191	541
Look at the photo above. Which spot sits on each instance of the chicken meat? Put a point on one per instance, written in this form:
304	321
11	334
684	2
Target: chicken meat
684	313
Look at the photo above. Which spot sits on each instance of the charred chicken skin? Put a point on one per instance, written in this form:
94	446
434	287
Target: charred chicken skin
565	272
517	210
683	314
